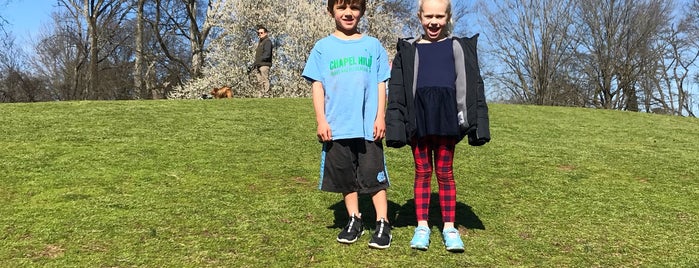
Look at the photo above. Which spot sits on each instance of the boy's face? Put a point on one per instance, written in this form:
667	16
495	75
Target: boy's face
347	15
434	19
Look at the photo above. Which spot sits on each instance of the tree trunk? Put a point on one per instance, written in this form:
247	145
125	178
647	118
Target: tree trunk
91	88
139	63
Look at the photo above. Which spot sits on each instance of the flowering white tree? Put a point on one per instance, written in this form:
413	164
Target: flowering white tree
294	26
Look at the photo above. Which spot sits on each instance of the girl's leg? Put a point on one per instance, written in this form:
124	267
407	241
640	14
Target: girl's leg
447	193
444	155
423	174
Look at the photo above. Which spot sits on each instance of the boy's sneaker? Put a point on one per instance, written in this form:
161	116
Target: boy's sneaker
421	238
382	235
352	231
452	240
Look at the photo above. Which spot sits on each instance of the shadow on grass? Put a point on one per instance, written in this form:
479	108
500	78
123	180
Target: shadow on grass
404	216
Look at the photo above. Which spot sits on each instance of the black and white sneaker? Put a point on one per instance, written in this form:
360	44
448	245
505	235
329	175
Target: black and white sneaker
382	235
352	231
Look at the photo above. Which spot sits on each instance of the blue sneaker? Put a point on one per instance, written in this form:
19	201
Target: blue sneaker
421	238
452	240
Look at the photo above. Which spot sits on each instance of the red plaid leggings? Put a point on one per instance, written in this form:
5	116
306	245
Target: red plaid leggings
441	149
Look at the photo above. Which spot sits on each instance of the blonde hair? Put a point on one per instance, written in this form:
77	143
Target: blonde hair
450	24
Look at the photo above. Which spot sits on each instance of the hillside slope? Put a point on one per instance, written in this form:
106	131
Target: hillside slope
234	183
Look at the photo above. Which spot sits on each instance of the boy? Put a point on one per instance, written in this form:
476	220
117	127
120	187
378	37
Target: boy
348	71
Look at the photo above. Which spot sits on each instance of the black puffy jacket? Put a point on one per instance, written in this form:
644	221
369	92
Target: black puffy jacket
471	104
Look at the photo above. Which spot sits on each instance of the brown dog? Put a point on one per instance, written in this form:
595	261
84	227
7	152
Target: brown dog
222	92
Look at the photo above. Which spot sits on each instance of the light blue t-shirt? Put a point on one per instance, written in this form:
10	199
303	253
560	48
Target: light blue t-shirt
350	71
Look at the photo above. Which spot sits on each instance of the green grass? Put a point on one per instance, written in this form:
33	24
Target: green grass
233	183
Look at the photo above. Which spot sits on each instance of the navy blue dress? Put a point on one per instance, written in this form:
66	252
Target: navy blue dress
435	96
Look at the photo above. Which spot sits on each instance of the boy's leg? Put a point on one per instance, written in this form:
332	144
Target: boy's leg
338	175
355	226
381	238
373	178
352	203
380	205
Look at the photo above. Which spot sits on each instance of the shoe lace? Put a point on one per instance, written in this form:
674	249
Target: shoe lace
421	231
381	226
350	224
452	234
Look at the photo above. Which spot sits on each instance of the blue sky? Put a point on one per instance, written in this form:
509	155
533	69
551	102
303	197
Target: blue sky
26	18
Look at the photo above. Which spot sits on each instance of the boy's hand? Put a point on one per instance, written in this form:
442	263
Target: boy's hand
379	130
324	133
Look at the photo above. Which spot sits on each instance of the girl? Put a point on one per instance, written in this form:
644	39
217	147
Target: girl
436	99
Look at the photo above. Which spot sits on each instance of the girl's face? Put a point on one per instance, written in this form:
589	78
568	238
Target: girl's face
346	16
434	18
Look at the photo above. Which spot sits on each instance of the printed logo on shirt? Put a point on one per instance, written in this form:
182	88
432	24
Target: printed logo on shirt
381	177
350	64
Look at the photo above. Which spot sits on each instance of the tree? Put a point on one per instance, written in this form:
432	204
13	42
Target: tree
178	20
680	55
139	47
534	41
294	30
3	21
103	19
61	56
230	53
618	38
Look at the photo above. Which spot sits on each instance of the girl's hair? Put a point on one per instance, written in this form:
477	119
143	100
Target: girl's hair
450	24
361	3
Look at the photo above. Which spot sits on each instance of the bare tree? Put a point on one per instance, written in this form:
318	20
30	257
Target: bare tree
681	54
186	19
533	39
139	61
102	20
3	21
618	40
61	56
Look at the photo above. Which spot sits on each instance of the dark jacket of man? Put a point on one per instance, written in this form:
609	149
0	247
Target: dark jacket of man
263	54
471	105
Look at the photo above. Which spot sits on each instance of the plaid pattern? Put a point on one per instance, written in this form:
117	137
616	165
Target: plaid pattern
441	149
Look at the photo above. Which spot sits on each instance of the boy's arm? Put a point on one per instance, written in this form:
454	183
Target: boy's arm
380	122
324	132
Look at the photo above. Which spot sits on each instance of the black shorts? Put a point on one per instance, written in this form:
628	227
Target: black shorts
353	165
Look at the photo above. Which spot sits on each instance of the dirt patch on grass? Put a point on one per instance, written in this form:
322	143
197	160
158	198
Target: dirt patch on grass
566	167
302	180
51	252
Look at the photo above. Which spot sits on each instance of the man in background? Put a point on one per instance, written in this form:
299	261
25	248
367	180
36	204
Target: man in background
263	61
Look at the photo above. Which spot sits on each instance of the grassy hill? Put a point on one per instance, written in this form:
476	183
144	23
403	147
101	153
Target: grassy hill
233	183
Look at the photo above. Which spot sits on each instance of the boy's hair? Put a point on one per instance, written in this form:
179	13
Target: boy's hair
361	3
262	28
